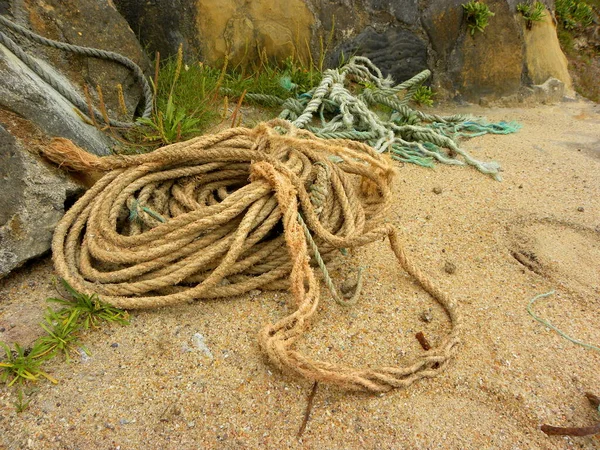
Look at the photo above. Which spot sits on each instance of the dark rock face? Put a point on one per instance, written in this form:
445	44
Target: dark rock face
163	24
396	52
32	202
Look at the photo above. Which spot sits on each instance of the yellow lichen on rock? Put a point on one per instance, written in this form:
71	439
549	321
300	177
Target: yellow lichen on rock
543	55
239	30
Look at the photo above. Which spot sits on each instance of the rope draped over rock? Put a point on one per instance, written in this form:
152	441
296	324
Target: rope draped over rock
220	215
70	94
409	135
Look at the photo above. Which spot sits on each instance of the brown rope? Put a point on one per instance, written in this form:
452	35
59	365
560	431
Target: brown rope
203	219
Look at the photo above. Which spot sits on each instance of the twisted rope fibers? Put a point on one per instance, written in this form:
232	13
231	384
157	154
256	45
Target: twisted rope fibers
70	94
232	205
409	135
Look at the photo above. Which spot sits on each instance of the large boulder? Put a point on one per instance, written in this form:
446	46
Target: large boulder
88	23
34	194
401	36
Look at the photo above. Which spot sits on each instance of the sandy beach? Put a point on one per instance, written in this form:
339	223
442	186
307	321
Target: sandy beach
491	245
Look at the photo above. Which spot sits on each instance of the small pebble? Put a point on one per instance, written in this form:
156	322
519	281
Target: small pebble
581	209
426	316
437	190
520	186
449	268
2	329
114	345
254	293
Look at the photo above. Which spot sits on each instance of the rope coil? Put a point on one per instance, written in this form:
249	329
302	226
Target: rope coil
232	207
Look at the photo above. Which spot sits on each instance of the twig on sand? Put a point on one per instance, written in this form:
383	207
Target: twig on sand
309	406
576	431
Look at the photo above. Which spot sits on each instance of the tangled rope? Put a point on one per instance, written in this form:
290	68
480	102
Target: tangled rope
220	215
409	135
70	94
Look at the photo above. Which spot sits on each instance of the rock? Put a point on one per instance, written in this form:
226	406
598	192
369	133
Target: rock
449	267
396	52
199	343
24	93
552	91
85	23
489	63
403	37
81	23
32	201
543	56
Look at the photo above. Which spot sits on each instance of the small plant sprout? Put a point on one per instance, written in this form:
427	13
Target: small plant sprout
477	15
88	309
532	12
62	334
20	403
423	96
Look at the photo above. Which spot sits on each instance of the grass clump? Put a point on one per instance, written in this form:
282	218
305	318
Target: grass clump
184	99
21	365
477	15
532	12
423	96
574	14
63	329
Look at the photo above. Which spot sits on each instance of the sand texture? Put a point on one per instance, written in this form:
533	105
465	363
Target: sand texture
156	384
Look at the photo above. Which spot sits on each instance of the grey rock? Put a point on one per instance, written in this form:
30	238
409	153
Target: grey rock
163	24
32	202
552	91
88	23
24	93
397	52
405	11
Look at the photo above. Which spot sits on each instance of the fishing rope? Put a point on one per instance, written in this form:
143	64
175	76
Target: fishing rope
332	111
220	215
549	325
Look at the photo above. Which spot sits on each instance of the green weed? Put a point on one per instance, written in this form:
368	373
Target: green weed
62	329
477	15
21	365
184	103
423	96
20	404
88	309
532	12
572	14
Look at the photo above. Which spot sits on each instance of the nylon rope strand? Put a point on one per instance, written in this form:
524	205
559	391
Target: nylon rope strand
332	110
223	214
70	94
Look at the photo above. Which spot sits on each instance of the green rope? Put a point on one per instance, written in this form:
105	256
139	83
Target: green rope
407	134
549	325
326	277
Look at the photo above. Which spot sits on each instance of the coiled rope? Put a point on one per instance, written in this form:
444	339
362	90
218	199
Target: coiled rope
220	215
67	93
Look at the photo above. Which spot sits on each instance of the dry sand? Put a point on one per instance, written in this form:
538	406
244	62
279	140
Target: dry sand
146	386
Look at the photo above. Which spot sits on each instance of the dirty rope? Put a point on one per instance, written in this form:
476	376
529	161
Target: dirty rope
60	87
357	102
220	215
